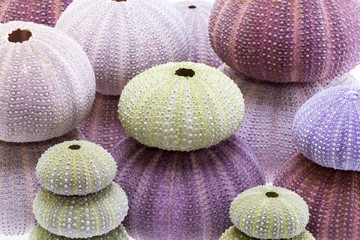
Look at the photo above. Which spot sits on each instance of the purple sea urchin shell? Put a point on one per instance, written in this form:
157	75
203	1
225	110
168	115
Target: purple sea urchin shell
270	110
196	16
287	41
183	195
18	184
333	197
327	126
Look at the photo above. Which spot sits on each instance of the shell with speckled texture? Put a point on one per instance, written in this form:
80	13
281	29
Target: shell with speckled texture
124	38
333	197
47	83
183	195
287	41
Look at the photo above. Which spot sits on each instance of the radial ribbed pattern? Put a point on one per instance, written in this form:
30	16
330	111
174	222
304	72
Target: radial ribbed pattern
287	40
196	16
75	168
81	216
40	11
47	83
18	184
183	195
124	38
181	106
332	195
269	114
327	128
102	125
269	212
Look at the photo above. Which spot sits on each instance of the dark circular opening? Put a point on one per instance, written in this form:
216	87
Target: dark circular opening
19	36
192	7
119	0
74	147
271	194
185	72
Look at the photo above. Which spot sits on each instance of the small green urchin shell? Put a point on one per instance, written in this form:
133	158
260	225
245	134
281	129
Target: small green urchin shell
181	106
269	212
118	233
232	233
81	216
75	168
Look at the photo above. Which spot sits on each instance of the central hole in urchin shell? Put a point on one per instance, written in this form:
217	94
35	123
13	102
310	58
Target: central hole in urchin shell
19	36
119	0
74	147
192	6
272	194
185	72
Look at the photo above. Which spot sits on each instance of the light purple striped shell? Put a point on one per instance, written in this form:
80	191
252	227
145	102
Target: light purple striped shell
124	38
196	15
333	197
287	40
270	110
183	195
18	183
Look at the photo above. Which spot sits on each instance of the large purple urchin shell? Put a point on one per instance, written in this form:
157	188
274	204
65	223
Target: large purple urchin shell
287	40
124	38
44	12
18	184
102	125
327	126
183	195
270	109
196	16
333	197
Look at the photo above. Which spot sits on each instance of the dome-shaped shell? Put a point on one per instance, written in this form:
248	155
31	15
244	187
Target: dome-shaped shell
333	197
118	233
232	233
124	38
102	125
47	83
287	41
44	12
18	184
327	126
196	15
270	110
183	195
81	216
75	168
269	212
181	106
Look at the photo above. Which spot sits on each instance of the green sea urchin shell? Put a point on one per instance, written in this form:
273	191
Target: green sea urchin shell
233	233
81	216
181	106
75	168
118	233
269	212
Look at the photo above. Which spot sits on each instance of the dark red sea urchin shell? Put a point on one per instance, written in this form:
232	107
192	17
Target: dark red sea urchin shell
183	195
287	40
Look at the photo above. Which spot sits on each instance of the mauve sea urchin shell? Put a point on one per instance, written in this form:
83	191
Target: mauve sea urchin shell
287	40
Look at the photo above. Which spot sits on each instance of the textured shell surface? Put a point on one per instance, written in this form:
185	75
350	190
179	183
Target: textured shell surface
181	106
333	197
18	183
102	125
124	38
232	233
269	212
196	14
47	83
287	40
270	110
118	233
75	168
81	216
327	127
183	195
